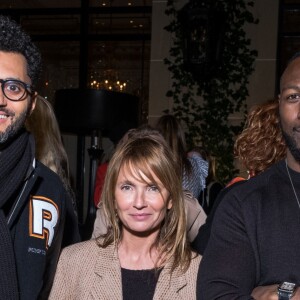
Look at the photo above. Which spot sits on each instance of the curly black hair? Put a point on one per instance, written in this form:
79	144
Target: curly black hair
14	39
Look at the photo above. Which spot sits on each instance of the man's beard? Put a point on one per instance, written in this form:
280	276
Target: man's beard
291	145
13	128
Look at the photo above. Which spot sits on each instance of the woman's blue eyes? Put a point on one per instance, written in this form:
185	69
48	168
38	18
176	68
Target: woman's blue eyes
125	187
152	188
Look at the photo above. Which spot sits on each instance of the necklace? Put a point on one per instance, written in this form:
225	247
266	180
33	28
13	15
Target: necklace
287	168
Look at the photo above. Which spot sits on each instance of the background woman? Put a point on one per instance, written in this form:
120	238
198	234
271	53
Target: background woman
146	240
261	143
50	151
258	146
192	167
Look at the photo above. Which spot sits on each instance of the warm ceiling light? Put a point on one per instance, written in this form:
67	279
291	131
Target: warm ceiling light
129	3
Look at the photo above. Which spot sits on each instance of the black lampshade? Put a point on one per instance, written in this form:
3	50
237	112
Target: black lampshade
80	111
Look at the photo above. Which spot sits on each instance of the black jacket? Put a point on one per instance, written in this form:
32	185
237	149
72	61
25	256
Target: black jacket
37	223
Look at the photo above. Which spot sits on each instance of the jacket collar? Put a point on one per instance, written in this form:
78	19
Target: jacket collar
32	166
108	274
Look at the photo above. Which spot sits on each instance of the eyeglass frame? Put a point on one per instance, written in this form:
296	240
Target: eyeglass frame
25	85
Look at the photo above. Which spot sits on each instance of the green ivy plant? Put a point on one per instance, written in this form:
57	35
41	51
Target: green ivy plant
206	104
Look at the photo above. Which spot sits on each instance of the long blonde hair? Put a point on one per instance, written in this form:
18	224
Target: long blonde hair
146	151
50	150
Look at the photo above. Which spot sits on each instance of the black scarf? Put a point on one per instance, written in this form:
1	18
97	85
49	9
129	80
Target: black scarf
15	159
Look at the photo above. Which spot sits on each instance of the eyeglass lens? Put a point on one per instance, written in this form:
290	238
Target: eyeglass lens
14	90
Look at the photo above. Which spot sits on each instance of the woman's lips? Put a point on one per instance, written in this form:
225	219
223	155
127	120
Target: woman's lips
140	217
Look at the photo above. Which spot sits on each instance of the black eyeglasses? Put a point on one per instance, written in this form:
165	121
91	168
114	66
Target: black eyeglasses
15	90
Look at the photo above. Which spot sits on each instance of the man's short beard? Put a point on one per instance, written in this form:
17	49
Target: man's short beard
13	128
291	145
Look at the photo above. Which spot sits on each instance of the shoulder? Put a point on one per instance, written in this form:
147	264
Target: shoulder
42	171
243	200
48	192
257	185
79	248
198	164
80	253
88	248
196	158
194	265
48	185
86	256
192	270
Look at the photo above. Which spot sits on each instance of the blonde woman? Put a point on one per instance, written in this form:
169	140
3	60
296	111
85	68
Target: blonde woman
145	253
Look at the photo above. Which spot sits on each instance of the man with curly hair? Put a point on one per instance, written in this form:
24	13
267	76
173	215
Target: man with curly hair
33	201
253	250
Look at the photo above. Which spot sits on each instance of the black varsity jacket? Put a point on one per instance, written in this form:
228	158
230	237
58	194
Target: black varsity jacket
37	222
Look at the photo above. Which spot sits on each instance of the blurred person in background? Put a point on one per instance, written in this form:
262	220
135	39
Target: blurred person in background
257	147
192	167
50	151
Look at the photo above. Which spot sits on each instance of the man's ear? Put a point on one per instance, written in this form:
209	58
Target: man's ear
33	102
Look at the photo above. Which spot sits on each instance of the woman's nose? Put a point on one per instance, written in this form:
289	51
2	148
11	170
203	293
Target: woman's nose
140	200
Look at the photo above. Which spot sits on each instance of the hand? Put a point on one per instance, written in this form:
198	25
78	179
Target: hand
269	292
296	295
